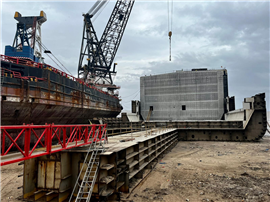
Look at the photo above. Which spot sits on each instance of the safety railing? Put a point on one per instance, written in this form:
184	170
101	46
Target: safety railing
29	141
5	72
30	63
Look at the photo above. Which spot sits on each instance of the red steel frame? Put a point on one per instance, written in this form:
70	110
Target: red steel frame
77	135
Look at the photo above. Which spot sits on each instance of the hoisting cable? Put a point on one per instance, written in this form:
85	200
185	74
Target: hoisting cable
46	49
47	53
170	23
96	7
98	13
58	60
55	62
93	7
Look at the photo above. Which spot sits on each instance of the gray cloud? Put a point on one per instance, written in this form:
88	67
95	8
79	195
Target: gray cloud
234	35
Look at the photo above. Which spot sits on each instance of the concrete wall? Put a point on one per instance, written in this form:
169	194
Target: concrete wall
201	92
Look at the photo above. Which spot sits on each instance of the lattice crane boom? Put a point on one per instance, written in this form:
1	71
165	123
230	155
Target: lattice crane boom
96	57
115	28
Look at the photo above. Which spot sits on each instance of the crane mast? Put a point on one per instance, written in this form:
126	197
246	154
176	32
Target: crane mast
96	56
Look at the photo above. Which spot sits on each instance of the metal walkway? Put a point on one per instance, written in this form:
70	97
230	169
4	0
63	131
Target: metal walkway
30	141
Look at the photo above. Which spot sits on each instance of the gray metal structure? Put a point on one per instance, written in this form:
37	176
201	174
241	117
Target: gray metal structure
199	94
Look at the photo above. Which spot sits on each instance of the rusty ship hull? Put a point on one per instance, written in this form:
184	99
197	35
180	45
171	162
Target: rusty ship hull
38	93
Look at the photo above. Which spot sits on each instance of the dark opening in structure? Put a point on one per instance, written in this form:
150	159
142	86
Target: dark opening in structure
151	108
183	107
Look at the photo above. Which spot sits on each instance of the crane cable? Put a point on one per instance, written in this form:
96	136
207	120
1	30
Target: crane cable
45	48
170	14
98	13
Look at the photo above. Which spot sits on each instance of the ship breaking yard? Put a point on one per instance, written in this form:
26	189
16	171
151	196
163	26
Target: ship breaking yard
69	138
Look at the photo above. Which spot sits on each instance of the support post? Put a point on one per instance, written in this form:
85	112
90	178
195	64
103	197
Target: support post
27	140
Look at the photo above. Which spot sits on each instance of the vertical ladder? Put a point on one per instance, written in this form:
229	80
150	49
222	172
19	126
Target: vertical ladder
86	187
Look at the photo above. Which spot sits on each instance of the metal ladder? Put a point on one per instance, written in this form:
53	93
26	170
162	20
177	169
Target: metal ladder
87	185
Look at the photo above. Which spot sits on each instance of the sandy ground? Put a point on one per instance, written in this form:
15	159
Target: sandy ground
210	171
10	182
192	171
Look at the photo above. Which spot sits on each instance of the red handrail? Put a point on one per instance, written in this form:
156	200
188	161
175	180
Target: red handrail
18	75
63	136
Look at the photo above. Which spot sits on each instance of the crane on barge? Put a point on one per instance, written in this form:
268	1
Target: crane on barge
96	56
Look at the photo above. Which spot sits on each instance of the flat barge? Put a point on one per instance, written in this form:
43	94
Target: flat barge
38	93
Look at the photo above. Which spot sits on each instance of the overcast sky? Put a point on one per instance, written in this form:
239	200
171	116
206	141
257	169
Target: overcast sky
234	35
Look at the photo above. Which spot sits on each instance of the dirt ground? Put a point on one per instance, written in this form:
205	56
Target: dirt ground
210	171
10	182
192	171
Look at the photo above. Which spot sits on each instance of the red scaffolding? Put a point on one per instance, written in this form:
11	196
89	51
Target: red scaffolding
24	142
